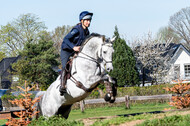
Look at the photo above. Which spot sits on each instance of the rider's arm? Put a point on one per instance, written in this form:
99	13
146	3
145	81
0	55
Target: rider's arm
68	38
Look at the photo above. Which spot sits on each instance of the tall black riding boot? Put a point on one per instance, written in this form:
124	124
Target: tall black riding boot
62	88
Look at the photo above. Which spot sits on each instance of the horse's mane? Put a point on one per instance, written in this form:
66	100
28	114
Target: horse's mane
89	37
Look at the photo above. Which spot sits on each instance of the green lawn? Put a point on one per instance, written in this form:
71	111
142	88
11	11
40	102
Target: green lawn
3	121
112	111
175	120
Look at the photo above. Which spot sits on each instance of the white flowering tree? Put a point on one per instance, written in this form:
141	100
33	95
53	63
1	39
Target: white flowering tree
151	54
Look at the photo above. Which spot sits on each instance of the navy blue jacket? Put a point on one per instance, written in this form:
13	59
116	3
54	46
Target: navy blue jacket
75	37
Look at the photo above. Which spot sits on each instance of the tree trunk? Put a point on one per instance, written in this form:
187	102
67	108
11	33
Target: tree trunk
143	76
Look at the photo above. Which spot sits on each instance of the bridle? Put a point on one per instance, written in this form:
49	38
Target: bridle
98	61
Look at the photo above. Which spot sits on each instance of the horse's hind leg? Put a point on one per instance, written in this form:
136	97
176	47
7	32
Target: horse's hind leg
37	110
64	111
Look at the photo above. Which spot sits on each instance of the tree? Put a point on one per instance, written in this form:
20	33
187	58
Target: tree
37	62
180	24
2	55
124	63
58	34
14	35
167	33
2	51
151	55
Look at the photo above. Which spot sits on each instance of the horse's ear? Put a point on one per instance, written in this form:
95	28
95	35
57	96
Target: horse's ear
113	39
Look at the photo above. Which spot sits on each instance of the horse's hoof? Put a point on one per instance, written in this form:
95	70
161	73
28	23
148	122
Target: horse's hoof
107	97
112	100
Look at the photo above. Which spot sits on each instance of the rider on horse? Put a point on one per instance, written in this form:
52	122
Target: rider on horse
72	42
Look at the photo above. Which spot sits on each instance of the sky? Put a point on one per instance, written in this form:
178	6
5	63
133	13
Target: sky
134	18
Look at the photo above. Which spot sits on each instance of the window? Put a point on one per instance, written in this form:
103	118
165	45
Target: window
176	71
187	70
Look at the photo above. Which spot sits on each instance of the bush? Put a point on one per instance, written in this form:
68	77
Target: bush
136	91
6	97
55	121
9	96
176	120
142	91
182	100
95	94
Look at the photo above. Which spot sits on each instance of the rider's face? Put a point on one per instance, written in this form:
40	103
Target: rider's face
86	23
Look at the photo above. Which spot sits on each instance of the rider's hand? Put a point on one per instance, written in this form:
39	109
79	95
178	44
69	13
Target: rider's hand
76	48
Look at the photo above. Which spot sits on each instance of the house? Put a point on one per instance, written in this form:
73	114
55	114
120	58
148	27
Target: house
177	58
180	63
6	76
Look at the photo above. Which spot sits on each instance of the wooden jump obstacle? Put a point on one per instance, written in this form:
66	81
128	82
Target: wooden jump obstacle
6	114
125	99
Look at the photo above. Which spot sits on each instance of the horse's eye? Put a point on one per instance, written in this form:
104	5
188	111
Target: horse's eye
104	52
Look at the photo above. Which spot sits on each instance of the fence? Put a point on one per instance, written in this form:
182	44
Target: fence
125	99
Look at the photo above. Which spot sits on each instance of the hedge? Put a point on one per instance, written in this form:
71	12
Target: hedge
135	91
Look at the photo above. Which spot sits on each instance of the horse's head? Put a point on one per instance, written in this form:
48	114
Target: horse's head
106	53
96	48
110	84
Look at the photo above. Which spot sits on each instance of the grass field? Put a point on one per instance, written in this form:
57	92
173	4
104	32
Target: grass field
175	120
113	111
3	121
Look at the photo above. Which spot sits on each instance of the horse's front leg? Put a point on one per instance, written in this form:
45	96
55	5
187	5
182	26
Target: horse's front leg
111	88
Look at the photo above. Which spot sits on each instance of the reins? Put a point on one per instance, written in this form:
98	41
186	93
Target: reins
91	58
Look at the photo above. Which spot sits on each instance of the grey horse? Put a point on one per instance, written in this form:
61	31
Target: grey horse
89	68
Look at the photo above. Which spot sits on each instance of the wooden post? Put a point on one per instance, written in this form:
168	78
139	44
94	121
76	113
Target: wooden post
82	106
127	100
171	97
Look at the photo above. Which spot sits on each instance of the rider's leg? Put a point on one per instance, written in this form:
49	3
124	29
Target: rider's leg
64	59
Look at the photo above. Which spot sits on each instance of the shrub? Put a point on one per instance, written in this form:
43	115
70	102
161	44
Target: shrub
8	97
55	121
182	100
176	120
95	94
136	91
27	104
142	91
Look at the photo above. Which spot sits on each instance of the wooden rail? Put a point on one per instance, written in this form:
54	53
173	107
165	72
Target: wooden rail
125	99
152	97
9	112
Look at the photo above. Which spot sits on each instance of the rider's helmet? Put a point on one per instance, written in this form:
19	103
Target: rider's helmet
85	15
